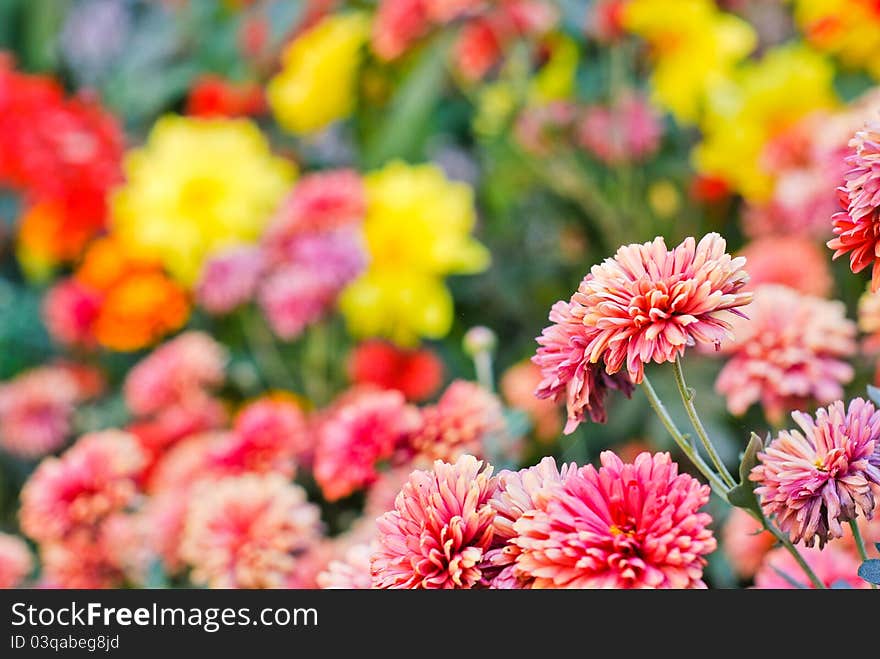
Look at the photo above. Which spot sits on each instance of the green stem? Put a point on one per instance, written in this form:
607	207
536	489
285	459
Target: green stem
483	366
315	361
267	357
860	544
687	397
686	447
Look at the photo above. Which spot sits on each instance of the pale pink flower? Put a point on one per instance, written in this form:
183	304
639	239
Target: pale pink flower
789	353
78	562
69	312
358	435
93	479
383	492
567	374
745	542
440	531
351	572
179	369
248	531
791	261
520	492
16	561
165	516
832	565
540	128
869	321
464	418
36	411
857	226
229	279
627	131
811	482
186	462
621	526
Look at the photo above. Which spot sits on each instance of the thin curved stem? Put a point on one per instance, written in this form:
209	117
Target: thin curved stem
686	447
688	399
860	543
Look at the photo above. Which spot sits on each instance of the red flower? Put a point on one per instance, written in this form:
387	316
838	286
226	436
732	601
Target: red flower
417	374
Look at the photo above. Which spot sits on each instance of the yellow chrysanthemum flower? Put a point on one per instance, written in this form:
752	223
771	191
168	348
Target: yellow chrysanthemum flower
417	229
766	98
694	49
848	29
197	185
317	82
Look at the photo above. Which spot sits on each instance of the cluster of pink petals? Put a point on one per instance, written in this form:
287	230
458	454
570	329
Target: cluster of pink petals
857	226
356	436
626	131
16	561
792	261
745	542
312	249
833	565
69	312
440	531
520	492
248	531
489	27
36	410
463	420
813	481
73	494
78	562
621	526
790	352
518	385
351	571
539	128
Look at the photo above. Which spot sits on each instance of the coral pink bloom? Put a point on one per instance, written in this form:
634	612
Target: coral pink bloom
229	279
78	562
351	572
518	493
813	482
745	542
791	261
621	526
69	313
857	227
649	303
36	411
629	130
399	24
417	374
567	373
464	418
358	435
832	565
93	479
16	561
440	530
174	372
518	385
248	531
789	353
185	463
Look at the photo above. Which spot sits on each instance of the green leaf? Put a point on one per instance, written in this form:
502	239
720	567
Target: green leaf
870	571
743	495
403	130
874	394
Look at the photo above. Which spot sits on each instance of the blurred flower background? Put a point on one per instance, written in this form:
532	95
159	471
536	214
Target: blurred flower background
262	262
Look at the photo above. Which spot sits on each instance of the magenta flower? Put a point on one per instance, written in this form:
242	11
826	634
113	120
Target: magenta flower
16	561
811	482
229	279
621	526
440	531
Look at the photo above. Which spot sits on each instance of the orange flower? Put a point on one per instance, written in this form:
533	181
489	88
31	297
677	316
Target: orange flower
46	234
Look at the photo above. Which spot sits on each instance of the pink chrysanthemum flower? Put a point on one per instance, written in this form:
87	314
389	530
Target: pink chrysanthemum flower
185	463
465	416
174	372
520	492
69	313
629	130
36	410
93	479
832	565
567	372
78	562
621	526
791	261
248	531
16	561
351	572
440	531
745	542
857	226
357	436
229	279
267	436
649	303
789	353
813	481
